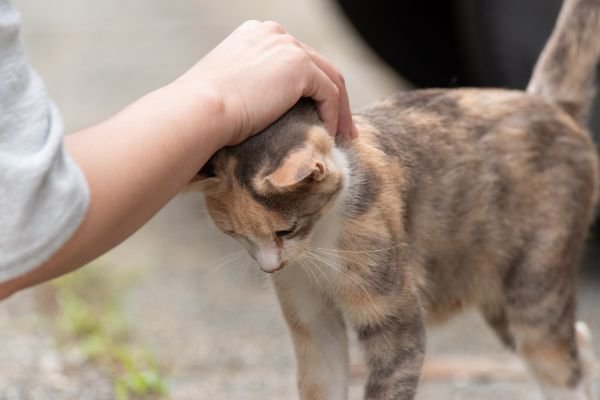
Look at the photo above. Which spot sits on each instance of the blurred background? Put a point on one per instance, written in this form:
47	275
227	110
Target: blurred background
177	311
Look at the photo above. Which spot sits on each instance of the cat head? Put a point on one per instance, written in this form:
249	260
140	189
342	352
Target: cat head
269	191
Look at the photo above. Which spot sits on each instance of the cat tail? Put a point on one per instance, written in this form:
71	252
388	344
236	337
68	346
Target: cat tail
565	71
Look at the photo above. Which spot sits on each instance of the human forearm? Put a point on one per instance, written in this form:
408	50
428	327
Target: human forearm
134	162
139	159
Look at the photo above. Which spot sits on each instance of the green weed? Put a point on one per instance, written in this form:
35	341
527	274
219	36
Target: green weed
90	317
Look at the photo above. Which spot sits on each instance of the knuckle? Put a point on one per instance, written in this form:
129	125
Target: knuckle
297	55
273	26
250	23
289	40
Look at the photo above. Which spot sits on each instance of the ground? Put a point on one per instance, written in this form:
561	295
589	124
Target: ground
212	326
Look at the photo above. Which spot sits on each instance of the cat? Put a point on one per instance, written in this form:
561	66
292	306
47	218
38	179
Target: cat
448	199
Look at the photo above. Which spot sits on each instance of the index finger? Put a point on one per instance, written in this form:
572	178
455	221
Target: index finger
345	126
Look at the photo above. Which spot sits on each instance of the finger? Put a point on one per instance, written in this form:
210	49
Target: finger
327	96
249	24
274	27
346	127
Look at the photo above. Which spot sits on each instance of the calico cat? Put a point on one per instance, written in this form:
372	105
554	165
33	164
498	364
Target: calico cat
447	199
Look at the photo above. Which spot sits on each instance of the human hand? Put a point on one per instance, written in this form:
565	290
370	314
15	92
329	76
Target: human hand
260	71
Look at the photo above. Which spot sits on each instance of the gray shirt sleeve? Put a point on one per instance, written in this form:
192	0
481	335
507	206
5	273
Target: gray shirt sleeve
43	193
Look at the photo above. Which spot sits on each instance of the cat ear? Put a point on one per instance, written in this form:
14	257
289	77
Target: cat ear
301	166
204	183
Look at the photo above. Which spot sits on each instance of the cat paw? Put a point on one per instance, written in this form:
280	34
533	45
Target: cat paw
588	359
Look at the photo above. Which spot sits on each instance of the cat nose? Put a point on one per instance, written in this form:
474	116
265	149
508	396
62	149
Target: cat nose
268	260
272	268
281	265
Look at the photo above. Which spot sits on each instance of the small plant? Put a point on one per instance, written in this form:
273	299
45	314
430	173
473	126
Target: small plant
90	318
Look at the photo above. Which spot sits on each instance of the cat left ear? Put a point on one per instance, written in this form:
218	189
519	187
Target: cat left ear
206	180
301	166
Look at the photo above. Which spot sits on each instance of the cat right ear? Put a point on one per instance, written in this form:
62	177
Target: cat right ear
204	183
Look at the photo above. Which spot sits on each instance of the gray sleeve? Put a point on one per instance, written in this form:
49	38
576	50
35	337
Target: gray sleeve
43	193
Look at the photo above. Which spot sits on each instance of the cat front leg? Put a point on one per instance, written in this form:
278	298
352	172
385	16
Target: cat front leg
394	347
319	335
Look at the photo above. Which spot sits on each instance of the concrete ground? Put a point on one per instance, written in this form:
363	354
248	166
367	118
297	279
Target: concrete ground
213	324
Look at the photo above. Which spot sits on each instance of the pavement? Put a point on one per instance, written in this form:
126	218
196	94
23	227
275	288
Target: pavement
210	318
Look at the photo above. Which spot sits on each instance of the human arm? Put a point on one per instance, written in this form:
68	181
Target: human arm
139	159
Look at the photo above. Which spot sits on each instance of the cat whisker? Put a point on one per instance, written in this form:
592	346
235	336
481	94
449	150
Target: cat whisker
340	269
244	269
327	278
324	275
311	274
218	260
352	276
216	265
320	260
337	256
324	250
357	283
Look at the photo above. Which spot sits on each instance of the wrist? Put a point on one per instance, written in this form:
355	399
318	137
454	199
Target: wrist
204	109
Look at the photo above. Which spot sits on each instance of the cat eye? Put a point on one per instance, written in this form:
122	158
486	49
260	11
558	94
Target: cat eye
281	234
